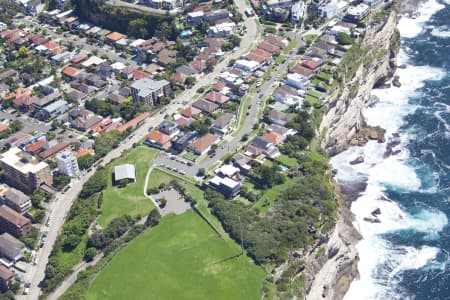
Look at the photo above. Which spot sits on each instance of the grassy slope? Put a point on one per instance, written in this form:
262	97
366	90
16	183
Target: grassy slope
182	258
129	200
162	175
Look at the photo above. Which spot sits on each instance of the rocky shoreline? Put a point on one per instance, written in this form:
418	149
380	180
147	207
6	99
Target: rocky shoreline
335	270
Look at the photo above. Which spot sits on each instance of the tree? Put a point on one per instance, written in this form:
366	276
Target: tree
123	182
343	38
189	81
22	51
138	28
15	126
162	202
90	254
201	172
210	63
153	218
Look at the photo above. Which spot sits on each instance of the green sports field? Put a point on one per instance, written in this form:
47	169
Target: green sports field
181	258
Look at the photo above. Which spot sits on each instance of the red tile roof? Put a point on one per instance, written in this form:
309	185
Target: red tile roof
158	137
71	71
311	64
84	152
134	122
273	137
36	146
268	47
190	111
114	36
137	74
53	150
216	97
202	143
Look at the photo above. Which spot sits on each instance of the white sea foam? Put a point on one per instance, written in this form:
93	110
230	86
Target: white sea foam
410	27
441	32
381	264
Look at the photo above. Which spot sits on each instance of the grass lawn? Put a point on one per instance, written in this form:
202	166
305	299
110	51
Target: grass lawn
271	195
190	156
315	93
291	46
181	258
311	100
242	113
130	199
287	161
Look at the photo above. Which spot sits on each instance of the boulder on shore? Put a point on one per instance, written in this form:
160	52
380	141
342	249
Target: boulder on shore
376	212
372	220
358	160
396	82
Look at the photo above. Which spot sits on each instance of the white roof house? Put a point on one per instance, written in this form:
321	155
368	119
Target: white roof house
125	171
227	170
93	60
247	65
118	66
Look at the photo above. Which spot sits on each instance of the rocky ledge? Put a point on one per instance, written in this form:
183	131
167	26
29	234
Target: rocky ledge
368	133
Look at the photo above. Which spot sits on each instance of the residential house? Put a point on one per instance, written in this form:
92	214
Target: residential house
71	73
17	200
53	150
158	140
83	119
287	95
214	15
205	106
54	109
269	48
127	72
227	186
297	81
133	123
222	124
273	137
203	144
279	118
169	127
6	278
114	37
242	162
11	248
13	223
195	17
216	97
247	65
222	30
167	57
95	80
184	140
188	71
190	112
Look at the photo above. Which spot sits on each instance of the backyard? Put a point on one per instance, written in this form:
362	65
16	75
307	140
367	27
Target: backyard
181	258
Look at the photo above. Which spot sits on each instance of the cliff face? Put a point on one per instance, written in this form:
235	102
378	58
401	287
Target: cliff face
116	18
344	117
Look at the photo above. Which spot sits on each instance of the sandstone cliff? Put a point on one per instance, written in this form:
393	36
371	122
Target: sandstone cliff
376	62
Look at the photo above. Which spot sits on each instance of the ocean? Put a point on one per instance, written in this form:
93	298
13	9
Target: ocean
404	253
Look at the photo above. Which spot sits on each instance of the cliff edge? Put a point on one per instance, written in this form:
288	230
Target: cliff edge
373	62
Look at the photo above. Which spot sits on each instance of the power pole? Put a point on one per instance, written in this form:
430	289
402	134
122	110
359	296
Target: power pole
242	237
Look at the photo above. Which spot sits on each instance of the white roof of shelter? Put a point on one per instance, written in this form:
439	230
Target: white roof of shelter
125	171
